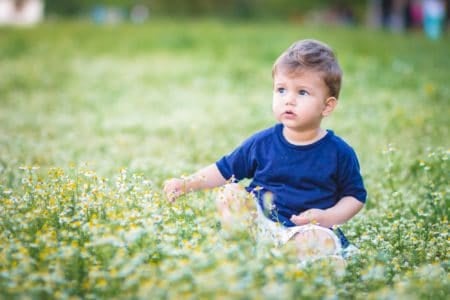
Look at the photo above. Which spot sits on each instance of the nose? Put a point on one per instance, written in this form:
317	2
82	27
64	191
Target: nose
290	99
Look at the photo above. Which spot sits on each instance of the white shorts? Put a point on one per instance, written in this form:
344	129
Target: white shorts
274	232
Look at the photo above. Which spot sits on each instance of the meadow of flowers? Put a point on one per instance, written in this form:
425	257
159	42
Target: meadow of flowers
95	118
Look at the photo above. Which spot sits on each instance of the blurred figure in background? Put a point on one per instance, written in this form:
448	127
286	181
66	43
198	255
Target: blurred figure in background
395	14
21	12
139	13
401	15
415	14
433	18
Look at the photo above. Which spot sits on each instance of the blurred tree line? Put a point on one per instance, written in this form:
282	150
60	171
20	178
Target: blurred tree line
224	8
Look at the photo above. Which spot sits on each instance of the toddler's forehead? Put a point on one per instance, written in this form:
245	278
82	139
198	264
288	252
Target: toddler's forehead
295	73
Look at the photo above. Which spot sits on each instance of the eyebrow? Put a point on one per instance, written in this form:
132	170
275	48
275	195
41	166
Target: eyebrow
301	86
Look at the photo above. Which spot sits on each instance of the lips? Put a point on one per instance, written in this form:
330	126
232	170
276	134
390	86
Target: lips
289	114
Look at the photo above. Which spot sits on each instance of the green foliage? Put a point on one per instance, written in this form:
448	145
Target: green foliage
225	8
95	118
76	7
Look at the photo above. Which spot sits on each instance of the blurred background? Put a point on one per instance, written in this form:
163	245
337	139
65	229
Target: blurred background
102	101
137	83
429	16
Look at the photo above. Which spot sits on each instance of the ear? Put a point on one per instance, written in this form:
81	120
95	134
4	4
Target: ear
330	105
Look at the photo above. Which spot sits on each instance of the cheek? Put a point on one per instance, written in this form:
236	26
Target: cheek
275	105
275	110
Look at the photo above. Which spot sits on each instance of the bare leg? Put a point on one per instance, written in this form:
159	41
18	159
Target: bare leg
234	205
314	242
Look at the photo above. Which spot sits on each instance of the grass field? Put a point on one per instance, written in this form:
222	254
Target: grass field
95	118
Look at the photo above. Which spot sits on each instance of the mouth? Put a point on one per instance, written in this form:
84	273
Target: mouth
289	114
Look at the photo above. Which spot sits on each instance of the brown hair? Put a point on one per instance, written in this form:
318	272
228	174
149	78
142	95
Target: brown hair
312	55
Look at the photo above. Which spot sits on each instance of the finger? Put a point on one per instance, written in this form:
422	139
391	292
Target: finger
173	194
300	220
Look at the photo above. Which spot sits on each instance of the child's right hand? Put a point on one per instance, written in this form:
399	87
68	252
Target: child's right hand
174	188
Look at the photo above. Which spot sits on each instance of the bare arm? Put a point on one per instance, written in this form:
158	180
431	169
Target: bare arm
344	210
206	178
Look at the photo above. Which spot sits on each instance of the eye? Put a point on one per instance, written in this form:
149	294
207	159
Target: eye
303	93
281	90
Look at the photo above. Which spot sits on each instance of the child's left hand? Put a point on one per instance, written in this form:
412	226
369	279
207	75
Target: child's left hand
313	215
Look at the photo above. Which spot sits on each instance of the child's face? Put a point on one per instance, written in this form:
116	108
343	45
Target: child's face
300	99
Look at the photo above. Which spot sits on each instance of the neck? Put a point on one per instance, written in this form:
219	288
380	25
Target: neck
303	137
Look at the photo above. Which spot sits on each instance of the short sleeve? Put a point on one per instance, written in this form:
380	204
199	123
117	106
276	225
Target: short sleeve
240	163
350	181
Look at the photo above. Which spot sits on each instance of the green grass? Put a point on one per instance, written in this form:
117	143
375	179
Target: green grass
106	114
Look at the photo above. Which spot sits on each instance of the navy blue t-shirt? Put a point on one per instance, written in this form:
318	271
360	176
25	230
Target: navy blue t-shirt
297	177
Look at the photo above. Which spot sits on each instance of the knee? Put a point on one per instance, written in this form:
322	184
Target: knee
315	241
229	192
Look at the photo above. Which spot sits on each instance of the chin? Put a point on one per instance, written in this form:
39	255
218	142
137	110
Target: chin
292	125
